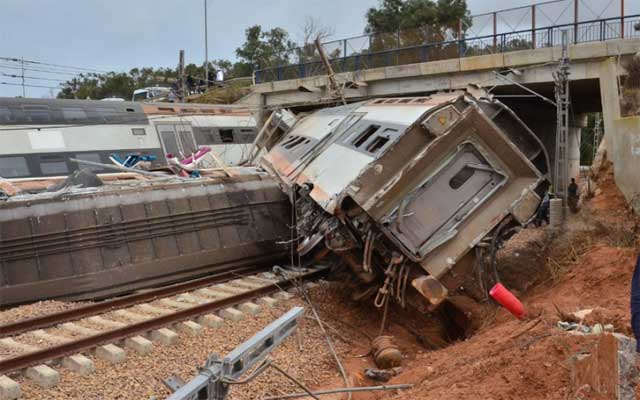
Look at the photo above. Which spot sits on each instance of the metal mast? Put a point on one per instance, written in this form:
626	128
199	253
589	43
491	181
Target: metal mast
206	47
561	77
597	135
22	63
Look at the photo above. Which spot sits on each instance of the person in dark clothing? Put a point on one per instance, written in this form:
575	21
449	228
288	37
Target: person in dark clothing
635	307
573	196
191	83
543	209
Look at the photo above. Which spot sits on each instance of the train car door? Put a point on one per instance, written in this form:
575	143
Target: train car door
177	139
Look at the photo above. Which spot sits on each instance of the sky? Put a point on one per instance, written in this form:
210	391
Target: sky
122	34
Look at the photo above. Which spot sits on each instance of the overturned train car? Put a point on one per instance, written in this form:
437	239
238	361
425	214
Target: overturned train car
414	194
92	243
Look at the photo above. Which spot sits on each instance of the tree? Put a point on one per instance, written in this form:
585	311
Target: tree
265	48
393	15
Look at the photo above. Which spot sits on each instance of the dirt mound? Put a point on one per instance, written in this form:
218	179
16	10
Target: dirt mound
586	265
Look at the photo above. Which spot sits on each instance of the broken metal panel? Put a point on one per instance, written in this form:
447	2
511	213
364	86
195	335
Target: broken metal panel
419	180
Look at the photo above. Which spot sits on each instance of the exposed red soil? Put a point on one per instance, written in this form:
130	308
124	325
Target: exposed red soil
587	266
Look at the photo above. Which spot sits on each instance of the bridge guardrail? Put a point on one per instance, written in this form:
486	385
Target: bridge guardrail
581	32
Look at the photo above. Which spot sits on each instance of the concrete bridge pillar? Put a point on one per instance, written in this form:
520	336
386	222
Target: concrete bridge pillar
622	135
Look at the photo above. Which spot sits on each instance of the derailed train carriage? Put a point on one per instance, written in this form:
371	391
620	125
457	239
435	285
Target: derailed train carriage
414	194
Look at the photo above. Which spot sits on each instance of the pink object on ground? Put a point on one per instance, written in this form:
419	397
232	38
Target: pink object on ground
201	152
503	296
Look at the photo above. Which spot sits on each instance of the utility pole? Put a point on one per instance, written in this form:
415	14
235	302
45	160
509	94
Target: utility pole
333	84
206	47
561	78
181	91
23	90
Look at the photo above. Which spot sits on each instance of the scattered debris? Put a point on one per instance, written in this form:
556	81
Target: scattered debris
382	375
386	353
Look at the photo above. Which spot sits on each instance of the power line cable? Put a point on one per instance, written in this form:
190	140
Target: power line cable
12	59
39	70
31	77
34	86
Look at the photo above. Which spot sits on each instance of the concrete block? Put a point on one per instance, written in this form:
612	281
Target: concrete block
228	288
440	67
267	301
588	50
174	304
526	57
246	284
139	344
149	309
403	71
79	364
190	327
281	86
110	353
43	376
9	389
41	334
374	74
609	370
210	321
249	308
164	336
268	279
263	87
78	329
211	293
490	61
9	343
283	296
268	275
131	316
232	314
622	46
107	323
189	298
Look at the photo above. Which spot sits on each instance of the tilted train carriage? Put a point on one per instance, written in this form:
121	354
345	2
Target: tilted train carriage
412	192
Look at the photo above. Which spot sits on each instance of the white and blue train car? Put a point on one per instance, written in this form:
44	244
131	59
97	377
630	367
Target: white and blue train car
39	136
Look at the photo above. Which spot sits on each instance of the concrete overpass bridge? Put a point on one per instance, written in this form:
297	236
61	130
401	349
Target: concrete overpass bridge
502	62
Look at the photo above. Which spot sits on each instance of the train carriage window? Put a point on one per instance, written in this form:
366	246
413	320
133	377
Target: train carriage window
186	139
108	114
93	157
226	135
53	165
365	135
13	167
6	115
74	114
138	131
461	177
170	142
37	114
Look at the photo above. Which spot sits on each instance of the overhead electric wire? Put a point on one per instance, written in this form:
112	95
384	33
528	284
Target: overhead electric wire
39	70
71	67
31	77
25	85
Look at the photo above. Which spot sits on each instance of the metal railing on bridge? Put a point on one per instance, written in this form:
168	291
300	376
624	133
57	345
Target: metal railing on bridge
423	45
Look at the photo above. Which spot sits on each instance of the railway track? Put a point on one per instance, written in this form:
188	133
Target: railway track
134	318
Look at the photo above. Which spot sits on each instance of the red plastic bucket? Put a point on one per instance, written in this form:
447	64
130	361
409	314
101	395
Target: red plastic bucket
507	300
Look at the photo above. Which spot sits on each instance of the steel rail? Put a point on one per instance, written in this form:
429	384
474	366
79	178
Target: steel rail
55	352
46	321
